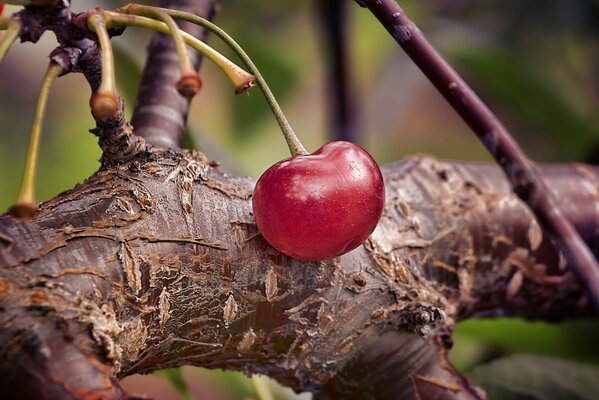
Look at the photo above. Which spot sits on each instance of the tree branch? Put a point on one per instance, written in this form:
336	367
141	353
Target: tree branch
159	264
520	171
155	262
160	114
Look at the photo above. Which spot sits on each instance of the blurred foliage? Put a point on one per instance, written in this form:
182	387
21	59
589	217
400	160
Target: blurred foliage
541	107
537	378
479	341
535	63
127	74
175	377
282	73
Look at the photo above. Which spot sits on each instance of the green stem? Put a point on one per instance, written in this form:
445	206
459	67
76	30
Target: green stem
4	20
104	101
190	83
98	25
13	28
240	78
27	193
185	64
294	144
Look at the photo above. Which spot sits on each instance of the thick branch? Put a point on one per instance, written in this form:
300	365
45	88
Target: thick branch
52	358
155	262
159	264
520	171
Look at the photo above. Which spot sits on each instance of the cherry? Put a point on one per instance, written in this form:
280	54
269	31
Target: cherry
310	206
321	205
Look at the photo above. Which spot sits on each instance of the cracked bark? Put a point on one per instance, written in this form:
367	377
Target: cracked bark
157	263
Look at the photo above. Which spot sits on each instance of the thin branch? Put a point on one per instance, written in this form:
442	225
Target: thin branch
342	117
160	113
520	171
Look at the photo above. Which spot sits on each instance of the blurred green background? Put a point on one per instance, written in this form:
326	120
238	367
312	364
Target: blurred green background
535	63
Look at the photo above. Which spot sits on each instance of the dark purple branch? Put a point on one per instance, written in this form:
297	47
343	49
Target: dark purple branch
520	171
342	117
160	113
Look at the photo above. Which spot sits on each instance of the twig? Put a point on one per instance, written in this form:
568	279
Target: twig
520	171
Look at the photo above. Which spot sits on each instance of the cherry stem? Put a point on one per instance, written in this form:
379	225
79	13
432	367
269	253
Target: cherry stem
13	28
520	171
97	24
27	193
4	20
241	79
295	146
185	64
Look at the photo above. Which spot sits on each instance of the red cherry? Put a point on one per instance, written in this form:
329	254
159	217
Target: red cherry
320	205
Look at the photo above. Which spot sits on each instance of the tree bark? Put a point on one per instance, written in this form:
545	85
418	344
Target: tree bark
157	263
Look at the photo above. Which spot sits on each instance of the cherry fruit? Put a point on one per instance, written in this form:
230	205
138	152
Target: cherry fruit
321	205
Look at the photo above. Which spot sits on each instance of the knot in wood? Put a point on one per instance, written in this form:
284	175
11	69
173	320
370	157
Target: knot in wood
421	319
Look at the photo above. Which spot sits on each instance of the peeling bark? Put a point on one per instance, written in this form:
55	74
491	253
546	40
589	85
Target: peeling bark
157	263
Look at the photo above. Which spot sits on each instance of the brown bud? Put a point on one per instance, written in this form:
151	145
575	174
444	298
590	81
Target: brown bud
104	105
189	85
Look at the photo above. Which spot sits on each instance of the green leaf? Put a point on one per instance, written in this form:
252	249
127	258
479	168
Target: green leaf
175	377
526	377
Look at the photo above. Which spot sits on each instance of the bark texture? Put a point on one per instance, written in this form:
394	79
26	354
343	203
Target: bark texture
157	263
